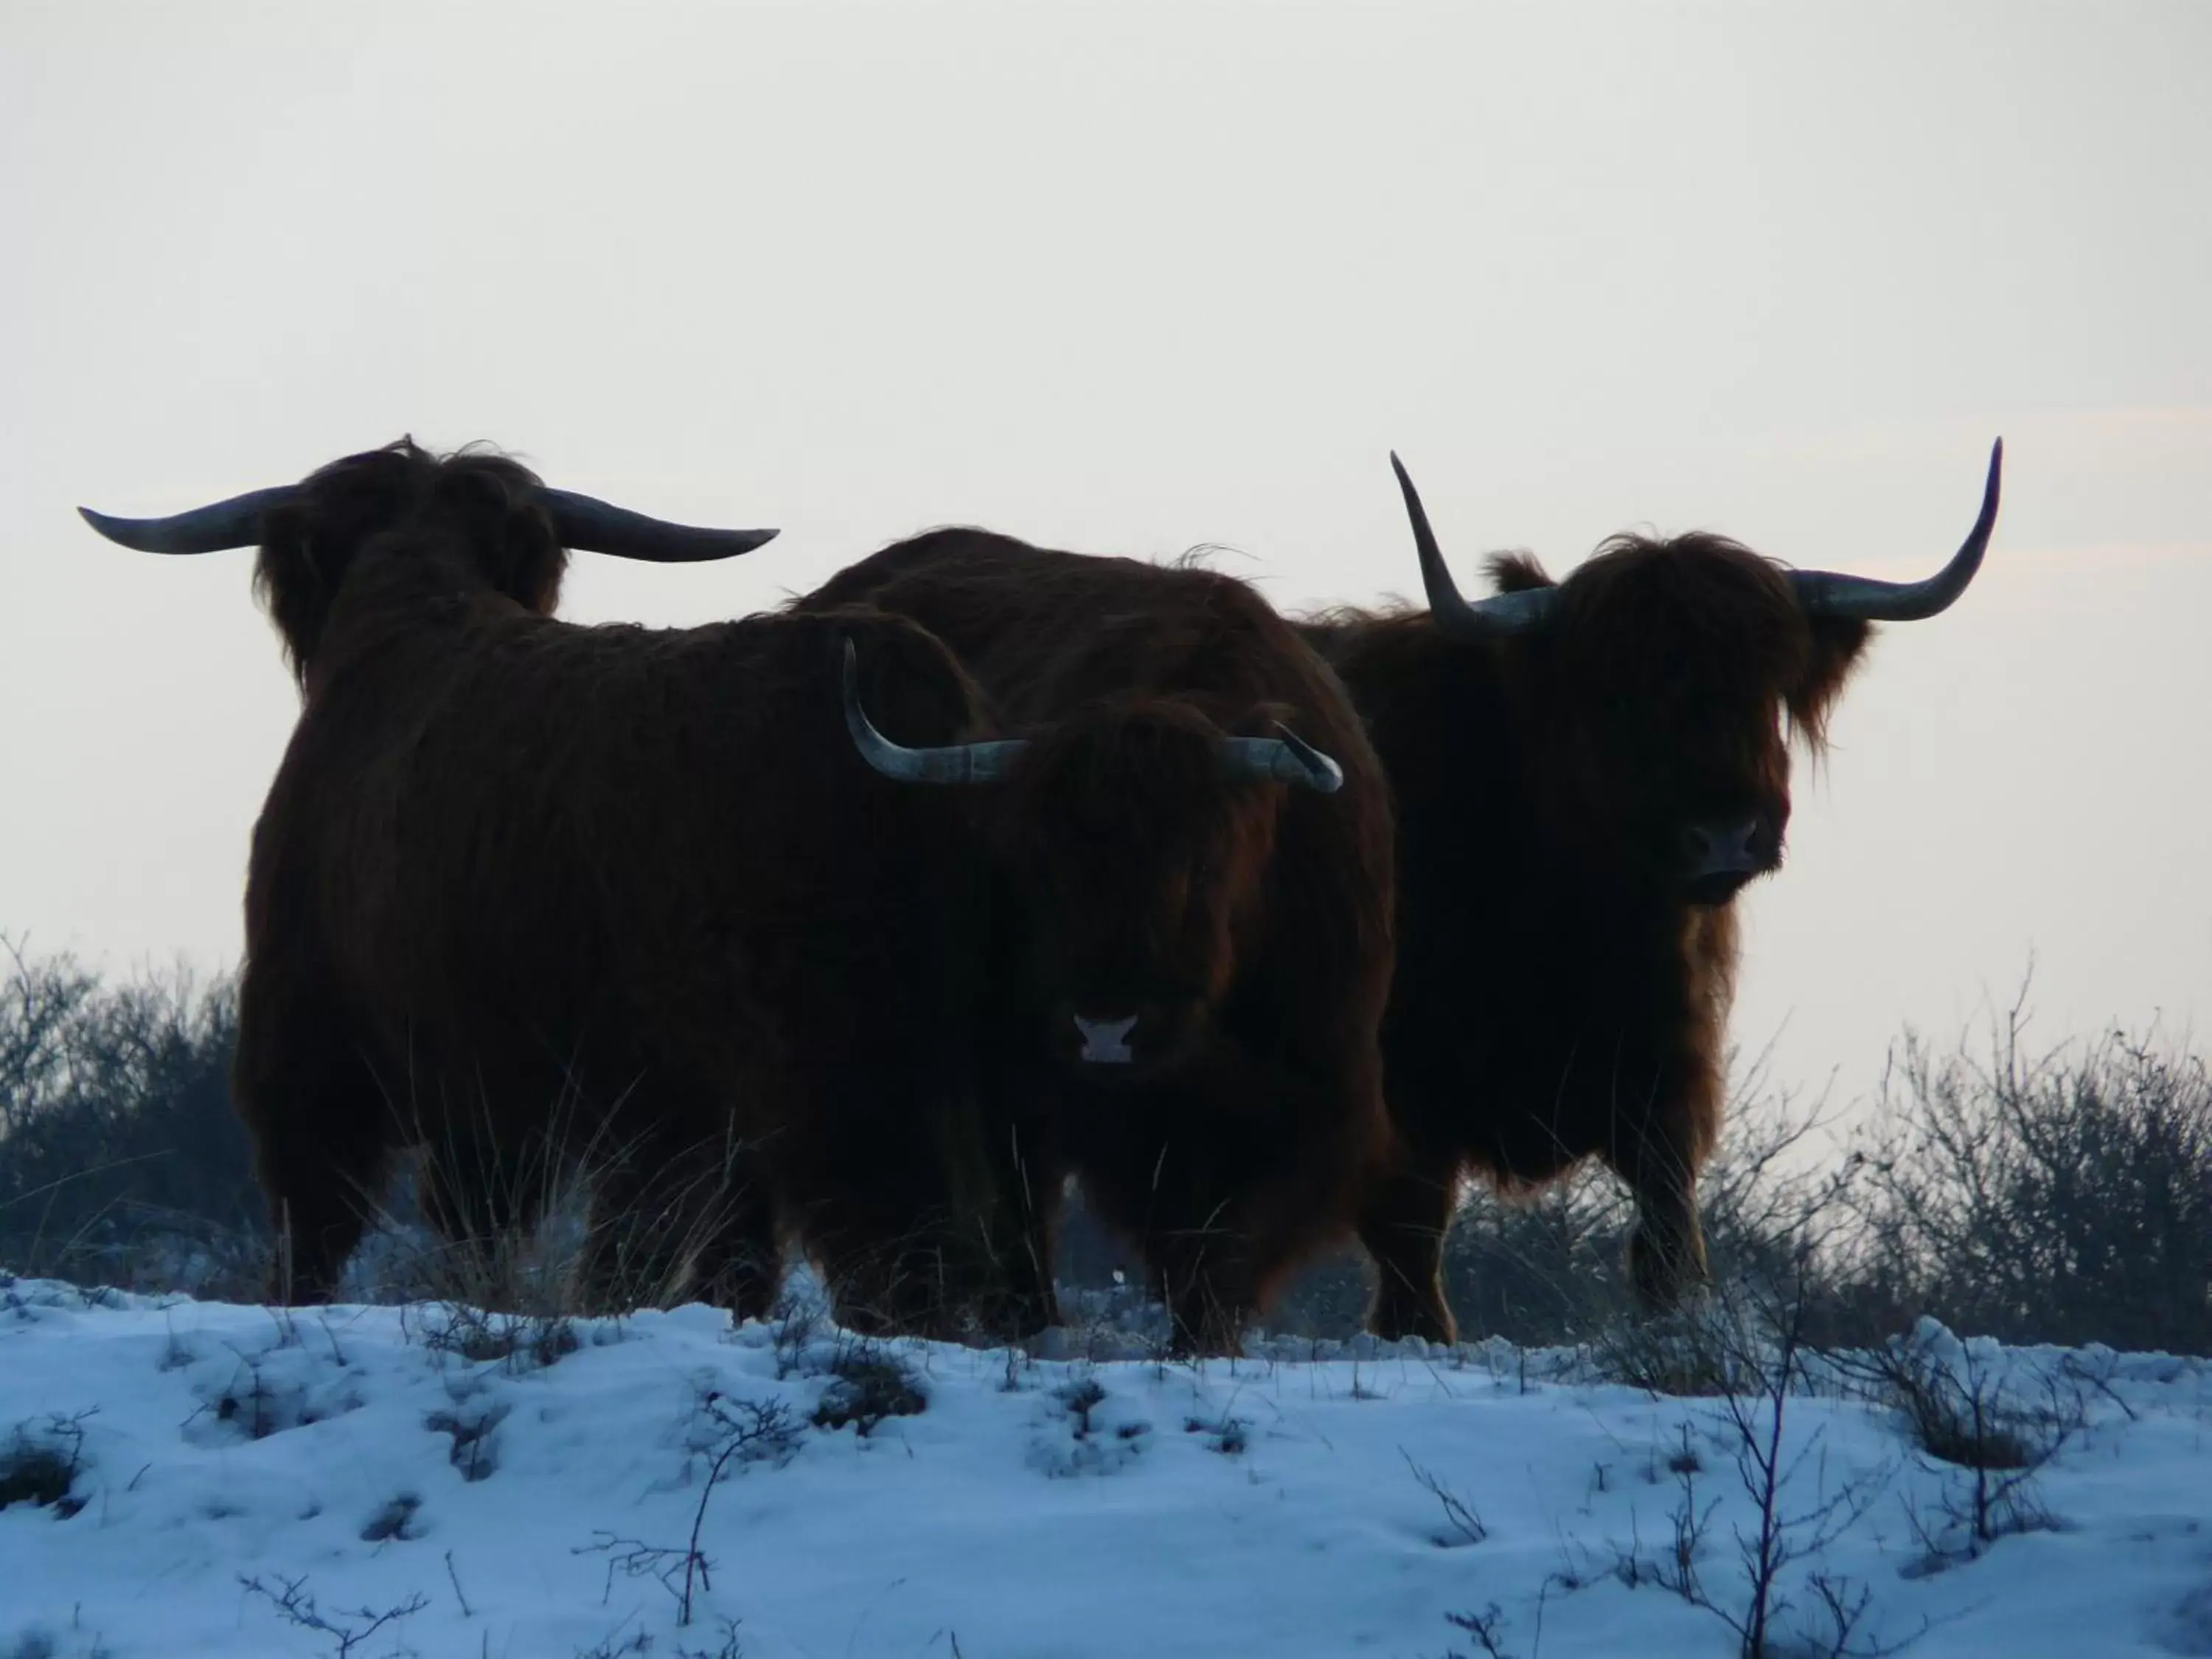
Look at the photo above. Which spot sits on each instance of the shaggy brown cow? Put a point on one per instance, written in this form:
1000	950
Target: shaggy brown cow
1206	957
519	881
1585	773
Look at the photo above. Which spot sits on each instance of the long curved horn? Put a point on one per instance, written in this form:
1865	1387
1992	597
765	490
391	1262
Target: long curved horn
1501	613
1287	759
1833	593
232	523
591	526
958	763
583	522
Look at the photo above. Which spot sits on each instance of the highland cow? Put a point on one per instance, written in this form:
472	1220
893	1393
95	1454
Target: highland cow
1585	773
524	892
1198	838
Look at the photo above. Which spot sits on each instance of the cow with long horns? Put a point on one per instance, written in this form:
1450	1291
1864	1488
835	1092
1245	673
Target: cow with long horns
1585	773
525	892
1198	837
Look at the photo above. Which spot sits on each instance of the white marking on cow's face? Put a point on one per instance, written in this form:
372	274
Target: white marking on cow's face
1105	1041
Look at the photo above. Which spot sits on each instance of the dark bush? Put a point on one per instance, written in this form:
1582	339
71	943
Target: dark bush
120	1158
2062	1197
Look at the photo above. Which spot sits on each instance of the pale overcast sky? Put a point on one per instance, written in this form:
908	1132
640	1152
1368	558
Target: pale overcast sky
1126	279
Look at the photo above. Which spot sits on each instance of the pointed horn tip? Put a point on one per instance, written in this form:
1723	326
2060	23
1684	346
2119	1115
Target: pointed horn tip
109	527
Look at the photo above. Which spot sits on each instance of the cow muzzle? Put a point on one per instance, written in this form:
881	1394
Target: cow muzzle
1721	856
1105	1041
1111	1041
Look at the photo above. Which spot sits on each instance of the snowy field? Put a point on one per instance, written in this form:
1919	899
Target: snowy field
193	1478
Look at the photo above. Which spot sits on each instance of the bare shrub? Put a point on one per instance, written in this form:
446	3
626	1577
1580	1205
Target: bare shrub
1757	1338
1990	1432
726	1434
347	1628
868	1384
121	1161
40	1463
2061	1196
1466	1527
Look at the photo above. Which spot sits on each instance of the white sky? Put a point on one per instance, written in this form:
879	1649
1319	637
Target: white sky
1125	279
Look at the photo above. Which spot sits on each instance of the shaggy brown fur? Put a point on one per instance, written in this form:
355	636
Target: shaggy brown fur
1244	925
1562	990
518	882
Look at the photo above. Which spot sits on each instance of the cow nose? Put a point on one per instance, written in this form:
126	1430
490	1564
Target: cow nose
1725	849
1105	1041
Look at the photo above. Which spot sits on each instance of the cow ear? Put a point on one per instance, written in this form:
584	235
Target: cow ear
1839	645
1516	573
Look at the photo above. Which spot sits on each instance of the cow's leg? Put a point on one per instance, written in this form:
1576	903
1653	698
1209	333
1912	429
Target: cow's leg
1667	1248
1403	1222
323	1132
1166	1195
925	1199
1188	1203
899	1259
888	1272
1012	1293
671	1187
891	1273
1228	1178
739	1264
1207	1273
1290	1167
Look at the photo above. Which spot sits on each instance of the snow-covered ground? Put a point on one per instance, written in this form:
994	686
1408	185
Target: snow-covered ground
359	1461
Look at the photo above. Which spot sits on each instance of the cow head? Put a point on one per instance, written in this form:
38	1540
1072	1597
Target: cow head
509	530
1139	834
1664	678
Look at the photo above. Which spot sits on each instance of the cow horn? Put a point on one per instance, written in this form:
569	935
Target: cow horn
579	521
1287	759
1501	613
591	526
957	763
1833	593
232	523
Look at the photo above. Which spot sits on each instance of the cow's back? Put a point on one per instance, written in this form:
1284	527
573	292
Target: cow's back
547	855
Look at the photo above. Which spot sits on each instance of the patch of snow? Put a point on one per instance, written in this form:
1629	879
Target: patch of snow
1318	1500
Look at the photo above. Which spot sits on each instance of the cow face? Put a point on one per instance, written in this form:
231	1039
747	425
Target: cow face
1669	679
1663	678
1138	834
1137	848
